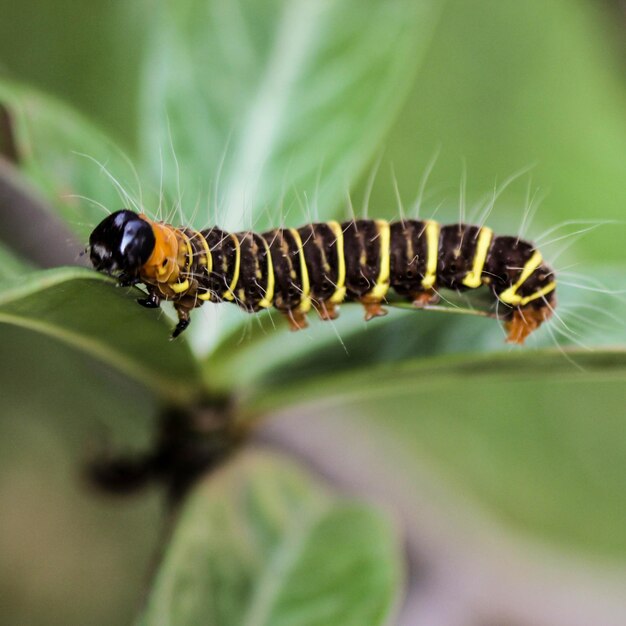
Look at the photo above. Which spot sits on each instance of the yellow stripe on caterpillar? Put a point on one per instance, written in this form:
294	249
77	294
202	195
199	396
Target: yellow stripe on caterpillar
187	250
208	262
305	300
229	294
538	294
473	278
268	299
382	283
340	290
510	295
432	254
179	287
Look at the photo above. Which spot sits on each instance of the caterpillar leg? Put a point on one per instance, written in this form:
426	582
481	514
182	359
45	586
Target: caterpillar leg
183	307
524	321
424	298
296	319
183	320
181	326
328	311
372	309
127	280
151	302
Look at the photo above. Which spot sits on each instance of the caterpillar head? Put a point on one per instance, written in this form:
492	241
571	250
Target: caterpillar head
121	243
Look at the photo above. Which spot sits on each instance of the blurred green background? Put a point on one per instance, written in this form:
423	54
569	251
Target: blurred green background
503	85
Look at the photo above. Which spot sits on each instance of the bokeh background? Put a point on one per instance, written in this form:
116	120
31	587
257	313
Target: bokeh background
502	85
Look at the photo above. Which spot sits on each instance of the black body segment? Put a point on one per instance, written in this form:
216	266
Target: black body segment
408	256
290	286
362	256
505	261
518	274
252	283
201	260
322	259
457	248
224	276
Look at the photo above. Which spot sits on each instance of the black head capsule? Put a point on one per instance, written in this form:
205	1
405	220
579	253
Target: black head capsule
121	244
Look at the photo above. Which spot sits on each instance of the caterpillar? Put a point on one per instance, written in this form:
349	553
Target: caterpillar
321	265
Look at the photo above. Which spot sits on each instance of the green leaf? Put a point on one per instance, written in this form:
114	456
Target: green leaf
282	93
85	310
538	438
261	544
588	315
279	390
76	167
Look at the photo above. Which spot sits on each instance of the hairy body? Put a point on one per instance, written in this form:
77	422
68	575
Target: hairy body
318	266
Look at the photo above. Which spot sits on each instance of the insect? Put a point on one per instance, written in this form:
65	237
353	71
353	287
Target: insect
321	265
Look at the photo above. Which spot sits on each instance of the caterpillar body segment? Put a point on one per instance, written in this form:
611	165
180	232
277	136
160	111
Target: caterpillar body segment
319	266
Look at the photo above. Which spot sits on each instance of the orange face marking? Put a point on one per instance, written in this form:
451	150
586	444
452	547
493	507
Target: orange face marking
162	266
